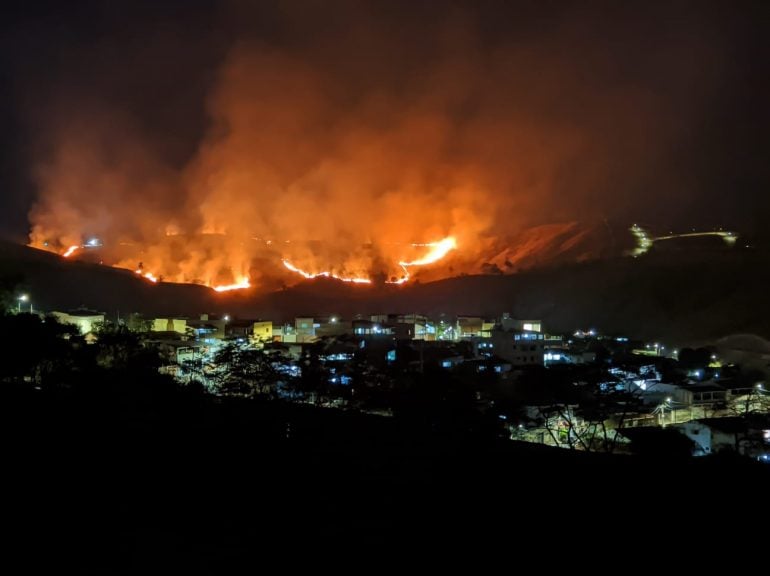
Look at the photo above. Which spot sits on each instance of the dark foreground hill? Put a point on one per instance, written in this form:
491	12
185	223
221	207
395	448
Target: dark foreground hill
683	295
189	484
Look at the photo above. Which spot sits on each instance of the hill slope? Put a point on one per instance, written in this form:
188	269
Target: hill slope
691	294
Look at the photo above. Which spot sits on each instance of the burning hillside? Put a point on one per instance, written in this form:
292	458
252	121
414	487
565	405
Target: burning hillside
226	263
357	153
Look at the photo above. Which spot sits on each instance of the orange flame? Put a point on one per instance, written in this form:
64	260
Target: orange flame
243	283
310	276
148	275
70	251
440	249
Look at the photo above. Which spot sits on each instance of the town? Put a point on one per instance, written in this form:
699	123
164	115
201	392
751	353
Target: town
502	377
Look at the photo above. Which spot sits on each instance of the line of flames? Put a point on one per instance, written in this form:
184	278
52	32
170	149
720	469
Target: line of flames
439	250
310	276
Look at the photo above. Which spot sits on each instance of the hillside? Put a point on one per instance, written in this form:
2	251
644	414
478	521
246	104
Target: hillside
684	294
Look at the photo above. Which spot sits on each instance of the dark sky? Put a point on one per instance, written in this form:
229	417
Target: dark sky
651	112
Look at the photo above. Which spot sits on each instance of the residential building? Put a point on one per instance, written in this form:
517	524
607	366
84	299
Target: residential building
86	320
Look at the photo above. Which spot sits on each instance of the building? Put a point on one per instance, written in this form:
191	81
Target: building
87	321
208	328
519	348
236	328
304	329
284	333
262	331
473	327
508	323
178	325
712	435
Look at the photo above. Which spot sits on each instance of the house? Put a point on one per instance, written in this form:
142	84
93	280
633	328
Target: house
519	348
86	320
262	331
178	325
712	435
473	326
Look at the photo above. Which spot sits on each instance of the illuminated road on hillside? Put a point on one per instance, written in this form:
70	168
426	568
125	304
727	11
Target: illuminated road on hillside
644	240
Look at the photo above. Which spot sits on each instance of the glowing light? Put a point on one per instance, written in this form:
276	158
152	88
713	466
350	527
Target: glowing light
310	276
70	251
244	283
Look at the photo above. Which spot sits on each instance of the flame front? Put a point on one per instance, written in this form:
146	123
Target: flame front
438	251
310	276
243	283
70	251
148	275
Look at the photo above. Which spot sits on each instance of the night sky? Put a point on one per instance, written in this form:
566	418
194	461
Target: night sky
516	113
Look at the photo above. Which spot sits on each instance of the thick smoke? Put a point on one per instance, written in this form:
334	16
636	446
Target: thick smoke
338	137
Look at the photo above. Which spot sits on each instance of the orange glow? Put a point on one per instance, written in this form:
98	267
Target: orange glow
310	276
244	283
70	251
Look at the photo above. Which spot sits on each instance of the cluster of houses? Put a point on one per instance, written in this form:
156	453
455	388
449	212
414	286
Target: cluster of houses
708	405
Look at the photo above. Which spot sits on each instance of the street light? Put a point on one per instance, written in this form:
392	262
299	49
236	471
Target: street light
22	298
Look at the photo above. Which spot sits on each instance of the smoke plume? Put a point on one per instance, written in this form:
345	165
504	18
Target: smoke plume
336	137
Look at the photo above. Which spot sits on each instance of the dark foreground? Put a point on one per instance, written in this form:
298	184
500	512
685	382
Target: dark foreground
191	485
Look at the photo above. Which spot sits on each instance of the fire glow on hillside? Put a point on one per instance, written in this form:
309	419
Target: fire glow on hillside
437	251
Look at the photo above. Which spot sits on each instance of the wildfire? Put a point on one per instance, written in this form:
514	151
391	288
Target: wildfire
148	275
70	251
310	276
437	252
243	283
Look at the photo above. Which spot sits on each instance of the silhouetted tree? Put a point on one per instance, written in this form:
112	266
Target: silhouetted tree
37	351
242	370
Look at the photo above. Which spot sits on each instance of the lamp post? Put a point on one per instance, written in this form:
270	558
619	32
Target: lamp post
22	298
